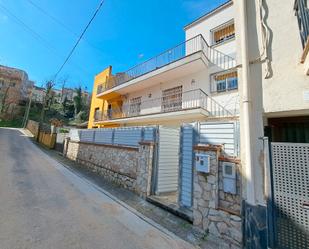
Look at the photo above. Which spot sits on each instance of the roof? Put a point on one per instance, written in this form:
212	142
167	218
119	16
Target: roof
208	14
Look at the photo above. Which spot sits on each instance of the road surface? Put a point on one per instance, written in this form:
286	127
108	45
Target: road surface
44	205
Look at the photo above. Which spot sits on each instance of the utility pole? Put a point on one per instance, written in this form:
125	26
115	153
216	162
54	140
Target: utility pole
27	110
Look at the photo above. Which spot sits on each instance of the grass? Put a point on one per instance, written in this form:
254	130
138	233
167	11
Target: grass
16	123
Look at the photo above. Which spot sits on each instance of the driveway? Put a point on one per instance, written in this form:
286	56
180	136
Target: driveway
45	205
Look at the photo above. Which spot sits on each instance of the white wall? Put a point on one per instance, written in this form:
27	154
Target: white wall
284	90
206	25
229	100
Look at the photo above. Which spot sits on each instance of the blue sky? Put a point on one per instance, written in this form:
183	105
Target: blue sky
125	33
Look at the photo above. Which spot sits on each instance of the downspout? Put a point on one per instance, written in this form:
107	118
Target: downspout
246	103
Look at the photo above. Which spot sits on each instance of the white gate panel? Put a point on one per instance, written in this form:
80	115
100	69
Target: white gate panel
168	163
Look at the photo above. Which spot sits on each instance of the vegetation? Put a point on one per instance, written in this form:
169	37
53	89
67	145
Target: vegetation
63	112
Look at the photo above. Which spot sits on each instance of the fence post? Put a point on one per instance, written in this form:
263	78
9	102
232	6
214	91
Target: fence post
113	136
93	136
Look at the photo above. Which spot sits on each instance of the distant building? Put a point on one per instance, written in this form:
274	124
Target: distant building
14	87
57	96
38	94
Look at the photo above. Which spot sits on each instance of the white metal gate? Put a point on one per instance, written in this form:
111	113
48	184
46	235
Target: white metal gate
168	160
290	168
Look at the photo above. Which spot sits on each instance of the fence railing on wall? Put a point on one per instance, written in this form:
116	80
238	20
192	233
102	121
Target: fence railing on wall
127	136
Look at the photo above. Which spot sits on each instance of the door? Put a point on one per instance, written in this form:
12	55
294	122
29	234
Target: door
168	162
290	171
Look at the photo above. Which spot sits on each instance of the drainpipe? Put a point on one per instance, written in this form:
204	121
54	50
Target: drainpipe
246	103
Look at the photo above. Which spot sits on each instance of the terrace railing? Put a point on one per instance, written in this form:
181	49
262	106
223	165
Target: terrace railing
189	47
302	13
194	99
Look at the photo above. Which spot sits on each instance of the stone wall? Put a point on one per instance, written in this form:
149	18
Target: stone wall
227	201
224	224
129	167
33	127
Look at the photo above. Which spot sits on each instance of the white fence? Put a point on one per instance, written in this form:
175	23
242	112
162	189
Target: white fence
127	136
220	133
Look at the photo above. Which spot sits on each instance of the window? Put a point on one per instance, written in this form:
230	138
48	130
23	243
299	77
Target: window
135	106
224	33
225	82
172	99
302	13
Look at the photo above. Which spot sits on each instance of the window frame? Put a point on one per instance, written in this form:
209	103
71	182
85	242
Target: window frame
221	27
172	99
230	82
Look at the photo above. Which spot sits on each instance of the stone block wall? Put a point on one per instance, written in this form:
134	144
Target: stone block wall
128	167
227	201
33	127
208	216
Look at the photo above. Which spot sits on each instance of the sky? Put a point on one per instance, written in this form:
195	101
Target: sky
37	35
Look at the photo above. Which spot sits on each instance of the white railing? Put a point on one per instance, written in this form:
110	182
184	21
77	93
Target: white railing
194	99
189	47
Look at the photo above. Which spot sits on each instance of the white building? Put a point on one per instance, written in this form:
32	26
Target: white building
192	81
273	50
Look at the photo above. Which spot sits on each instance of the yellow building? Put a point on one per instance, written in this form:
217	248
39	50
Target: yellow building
103	107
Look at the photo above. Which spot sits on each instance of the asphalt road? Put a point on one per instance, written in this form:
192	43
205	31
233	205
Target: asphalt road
44	205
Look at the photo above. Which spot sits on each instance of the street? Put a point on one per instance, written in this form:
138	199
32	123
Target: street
45	205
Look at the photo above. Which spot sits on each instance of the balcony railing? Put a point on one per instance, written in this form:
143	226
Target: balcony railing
194	99
302	13
189	47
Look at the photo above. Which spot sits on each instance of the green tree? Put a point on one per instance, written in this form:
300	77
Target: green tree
78	101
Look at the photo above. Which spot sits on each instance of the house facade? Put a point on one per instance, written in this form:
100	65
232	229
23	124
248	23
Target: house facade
190	82
14	87
272	52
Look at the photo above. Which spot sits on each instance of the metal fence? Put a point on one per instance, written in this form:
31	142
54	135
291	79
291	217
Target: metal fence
188	100
127	136
221	133
189	47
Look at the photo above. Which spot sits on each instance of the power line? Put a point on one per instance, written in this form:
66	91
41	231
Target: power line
59	22
80	37
37	36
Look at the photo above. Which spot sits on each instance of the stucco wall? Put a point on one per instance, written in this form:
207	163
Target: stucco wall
283	91
98	102
200	80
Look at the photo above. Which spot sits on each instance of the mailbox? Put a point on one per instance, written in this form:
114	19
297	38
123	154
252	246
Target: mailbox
229	177
202	163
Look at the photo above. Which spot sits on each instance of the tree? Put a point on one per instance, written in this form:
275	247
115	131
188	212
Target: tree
48	98
78	100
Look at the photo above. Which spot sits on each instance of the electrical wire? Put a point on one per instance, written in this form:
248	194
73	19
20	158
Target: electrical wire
79	39
38	37
59	22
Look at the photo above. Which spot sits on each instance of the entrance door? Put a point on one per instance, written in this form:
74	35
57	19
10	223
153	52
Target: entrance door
290	170
168	162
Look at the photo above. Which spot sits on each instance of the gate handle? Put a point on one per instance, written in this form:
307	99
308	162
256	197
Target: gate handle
306	205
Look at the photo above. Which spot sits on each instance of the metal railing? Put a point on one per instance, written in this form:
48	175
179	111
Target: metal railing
302	13
189	47
189	100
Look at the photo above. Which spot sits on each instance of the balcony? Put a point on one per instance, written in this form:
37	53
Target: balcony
194	104
187	57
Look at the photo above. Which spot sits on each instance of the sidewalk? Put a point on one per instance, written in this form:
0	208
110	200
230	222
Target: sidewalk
169	221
